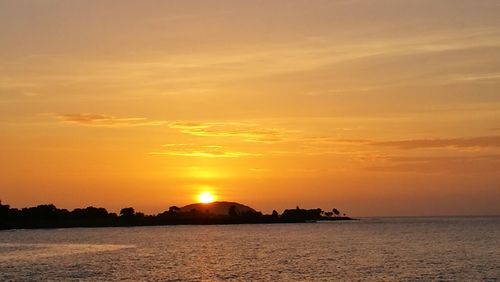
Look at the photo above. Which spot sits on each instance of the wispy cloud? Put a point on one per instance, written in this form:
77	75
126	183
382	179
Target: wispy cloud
481	141
327	140
105	120
457	164
207	151
248	132
480	78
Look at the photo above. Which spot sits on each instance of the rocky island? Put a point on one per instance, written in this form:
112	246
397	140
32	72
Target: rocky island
49	216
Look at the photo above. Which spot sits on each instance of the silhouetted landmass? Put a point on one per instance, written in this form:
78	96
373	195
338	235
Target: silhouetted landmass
49	216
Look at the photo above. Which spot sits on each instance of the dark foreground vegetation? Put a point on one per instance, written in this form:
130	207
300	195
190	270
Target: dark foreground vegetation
49	216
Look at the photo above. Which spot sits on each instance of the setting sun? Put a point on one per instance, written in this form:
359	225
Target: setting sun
206	197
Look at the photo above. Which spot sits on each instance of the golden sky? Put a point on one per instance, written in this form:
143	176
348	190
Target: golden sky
375	107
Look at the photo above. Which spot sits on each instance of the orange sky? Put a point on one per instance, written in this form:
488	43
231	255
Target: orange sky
388	107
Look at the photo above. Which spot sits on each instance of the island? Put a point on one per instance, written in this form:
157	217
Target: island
49	216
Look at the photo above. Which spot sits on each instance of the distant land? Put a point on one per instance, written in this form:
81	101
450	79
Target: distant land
49	216
218	208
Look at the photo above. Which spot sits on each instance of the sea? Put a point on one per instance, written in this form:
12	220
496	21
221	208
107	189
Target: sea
370	249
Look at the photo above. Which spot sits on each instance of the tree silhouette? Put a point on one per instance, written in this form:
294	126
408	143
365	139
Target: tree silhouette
4	208
127	212
336	212
275	214
174	209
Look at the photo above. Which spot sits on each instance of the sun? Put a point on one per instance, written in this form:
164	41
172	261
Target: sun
206	197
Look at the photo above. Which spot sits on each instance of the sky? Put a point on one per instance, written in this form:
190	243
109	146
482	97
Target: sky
374	107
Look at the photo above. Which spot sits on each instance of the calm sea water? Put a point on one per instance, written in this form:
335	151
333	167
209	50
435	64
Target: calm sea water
388	249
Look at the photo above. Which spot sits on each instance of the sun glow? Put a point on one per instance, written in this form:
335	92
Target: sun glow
206	197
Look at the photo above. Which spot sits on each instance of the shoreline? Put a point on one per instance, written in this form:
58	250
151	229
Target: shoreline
226	221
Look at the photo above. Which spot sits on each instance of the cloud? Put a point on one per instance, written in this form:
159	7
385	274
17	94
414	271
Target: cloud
472	142
106	120
480	78
249	132
190	125
333	140
206	151
455	164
